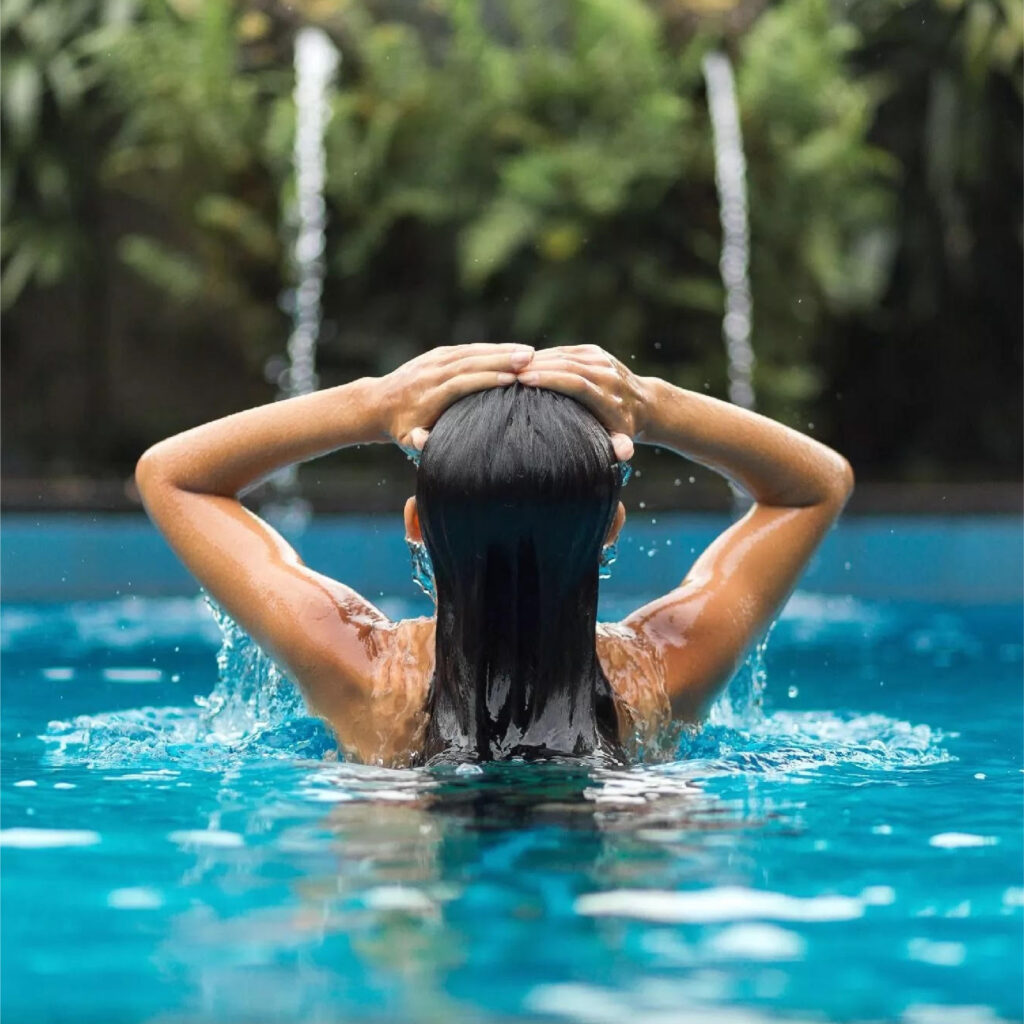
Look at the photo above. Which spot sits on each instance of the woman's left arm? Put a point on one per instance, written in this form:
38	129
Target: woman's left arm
315	627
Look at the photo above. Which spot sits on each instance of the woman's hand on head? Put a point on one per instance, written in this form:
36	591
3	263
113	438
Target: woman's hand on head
413	396
596	379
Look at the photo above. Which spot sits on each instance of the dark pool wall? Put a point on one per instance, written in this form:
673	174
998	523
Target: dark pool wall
968	559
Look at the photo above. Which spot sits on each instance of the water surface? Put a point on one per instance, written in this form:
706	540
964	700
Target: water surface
842	841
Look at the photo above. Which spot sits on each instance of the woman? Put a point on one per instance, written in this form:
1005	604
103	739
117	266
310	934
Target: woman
522	457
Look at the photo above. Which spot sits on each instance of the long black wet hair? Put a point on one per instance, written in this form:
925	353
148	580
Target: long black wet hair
516	490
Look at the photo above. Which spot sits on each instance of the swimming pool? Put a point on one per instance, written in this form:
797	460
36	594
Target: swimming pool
842	842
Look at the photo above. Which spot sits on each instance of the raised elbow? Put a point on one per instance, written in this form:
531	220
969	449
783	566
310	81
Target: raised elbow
843	479
149	470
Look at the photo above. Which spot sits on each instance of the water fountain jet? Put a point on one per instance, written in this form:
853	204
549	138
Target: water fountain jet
315	62
734	264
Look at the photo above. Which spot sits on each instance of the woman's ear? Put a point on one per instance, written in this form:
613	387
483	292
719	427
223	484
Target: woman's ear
412	522
617	523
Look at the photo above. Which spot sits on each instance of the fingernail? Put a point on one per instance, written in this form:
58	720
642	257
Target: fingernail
521	357
529	378
623	447
506	378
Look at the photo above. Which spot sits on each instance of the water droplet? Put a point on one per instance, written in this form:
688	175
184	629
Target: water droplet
676	482
692	479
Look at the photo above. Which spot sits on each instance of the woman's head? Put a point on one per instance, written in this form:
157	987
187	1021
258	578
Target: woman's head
516	494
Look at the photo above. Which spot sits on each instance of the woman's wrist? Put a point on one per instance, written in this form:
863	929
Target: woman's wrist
370	397
385	396
659	397
336	417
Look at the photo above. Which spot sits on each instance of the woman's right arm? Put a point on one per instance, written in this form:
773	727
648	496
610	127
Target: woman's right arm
315	627
737	586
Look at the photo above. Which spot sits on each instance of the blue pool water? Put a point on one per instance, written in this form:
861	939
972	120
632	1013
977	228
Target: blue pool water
841	842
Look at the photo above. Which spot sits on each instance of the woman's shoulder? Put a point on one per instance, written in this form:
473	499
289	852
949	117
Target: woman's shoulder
635	670
403	666
629	656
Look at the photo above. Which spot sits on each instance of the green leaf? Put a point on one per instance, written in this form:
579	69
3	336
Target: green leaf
22	95
65	80
172	272
12	12
490	241
233	217
16	275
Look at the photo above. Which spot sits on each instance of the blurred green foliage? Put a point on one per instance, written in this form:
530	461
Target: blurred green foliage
562	164
190	142
49	126
525	170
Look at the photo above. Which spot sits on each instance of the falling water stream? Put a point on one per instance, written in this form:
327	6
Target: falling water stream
734	264
730	178
316	60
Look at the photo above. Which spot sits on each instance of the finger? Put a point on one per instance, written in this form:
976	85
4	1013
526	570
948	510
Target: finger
576	385
589	355
551	357
623	446
418	437
509	361
454	353
601	375
466	383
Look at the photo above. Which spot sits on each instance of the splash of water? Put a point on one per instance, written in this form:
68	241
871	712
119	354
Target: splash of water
252	694
741	705
316	60
730	179
254	712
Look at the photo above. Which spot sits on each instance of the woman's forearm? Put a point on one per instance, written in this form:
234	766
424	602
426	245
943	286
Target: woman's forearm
774	464
227	455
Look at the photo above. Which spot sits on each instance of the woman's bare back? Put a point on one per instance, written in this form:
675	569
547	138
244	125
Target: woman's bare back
394	730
